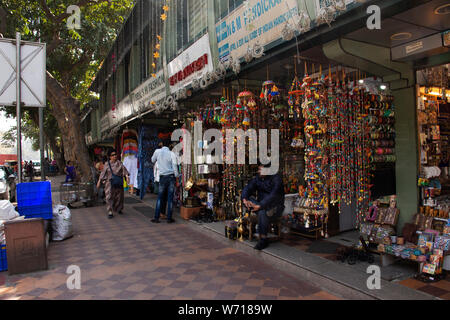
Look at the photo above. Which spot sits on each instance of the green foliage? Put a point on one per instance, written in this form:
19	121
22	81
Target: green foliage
30	126
73	56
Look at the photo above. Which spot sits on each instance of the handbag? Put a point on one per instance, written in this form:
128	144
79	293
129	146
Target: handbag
116	181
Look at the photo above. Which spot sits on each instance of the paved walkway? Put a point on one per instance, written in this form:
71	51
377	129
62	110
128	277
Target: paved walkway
128	257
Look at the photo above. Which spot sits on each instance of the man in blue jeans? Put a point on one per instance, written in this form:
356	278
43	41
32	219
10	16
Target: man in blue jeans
168	179
269	202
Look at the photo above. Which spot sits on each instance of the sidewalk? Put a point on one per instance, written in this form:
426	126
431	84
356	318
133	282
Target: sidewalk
336	277
129	258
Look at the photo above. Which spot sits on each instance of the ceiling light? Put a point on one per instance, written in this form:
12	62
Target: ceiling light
444	9
401	36
383	87
361	81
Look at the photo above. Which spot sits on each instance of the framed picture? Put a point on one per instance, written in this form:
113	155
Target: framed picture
391	216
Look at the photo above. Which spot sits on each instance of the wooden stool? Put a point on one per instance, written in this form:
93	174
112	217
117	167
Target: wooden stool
274	222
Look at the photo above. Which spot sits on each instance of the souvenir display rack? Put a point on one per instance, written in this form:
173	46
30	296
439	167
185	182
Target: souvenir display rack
434	134
333	132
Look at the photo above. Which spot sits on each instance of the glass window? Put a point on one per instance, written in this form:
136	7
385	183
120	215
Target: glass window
197	18
225	7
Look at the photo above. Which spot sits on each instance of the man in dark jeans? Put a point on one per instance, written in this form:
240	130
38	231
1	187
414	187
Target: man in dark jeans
168	179
269	202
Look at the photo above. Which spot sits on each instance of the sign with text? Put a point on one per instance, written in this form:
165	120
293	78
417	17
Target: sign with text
193	63
154	89
262	21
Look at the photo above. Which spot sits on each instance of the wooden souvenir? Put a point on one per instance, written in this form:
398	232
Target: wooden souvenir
391	216
381	215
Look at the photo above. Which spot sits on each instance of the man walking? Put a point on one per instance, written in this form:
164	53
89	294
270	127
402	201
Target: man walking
168	174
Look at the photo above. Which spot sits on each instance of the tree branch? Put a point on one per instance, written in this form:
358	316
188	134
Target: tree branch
81	4
47	11
3	16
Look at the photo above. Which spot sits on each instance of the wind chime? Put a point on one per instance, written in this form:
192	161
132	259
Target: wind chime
269	90
295	97
245	103
314	113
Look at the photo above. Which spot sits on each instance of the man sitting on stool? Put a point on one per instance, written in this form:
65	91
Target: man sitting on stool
269	203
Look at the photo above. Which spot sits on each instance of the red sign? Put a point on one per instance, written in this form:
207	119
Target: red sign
189	70
7	157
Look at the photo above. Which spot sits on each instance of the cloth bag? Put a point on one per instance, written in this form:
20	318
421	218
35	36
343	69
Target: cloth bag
7	211
61	223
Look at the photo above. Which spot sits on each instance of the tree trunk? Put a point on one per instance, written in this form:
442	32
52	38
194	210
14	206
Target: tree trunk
59	154
51	139
3	16
66	110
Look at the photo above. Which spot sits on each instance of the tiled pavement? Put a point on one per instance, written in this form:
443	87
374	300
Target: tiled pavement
440	289
130	258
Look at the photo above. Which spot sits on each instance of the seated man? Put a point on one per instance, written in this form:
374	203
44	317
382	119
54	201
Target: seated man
270	201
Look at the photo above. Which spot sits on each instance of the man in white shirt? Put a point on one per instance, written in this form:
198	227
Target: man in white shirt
168	178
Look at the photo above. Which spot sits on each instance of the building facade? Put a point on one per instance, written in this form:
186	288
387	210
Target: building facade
157	67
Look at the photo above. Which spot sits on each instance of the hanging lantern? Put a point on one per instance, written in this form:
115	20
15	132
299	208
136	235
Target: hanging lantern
236	67
288	32
251	104
326	15
304	23
339	5
248	57
245	96
239	105
258	50
275	92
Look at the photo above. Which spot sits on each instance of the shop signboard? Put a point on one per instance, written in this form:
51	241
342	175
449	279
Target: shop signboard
192	64
122	111
154	89
262	21
104	123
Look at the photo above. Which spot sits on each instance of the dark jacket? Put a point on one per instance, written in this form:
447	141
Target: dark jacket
270	191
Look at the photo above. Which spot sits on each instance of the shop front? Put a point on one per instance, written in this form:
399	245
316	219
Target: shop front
345	111
349	141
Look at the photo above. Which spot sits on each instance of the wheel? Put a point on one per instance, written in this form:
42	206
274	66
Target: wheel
352	258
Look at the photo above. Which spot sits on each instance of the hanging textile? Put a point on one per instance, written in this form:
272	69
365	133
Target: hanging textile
131	163
129	143
148	143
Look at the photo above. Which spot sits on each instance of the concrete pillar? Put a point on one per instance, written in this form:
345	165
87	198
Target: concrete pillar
407	154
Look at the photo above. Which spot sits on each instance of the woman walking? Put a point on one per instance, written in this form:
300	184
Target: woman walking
113	174
70	172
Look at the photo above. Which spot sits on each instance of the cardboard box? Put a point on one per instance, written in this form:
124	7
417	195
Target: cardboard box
188	213
25	246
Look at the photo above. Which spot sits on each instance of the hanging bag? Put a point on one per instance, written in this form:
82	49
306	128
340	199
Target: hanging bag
116	181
